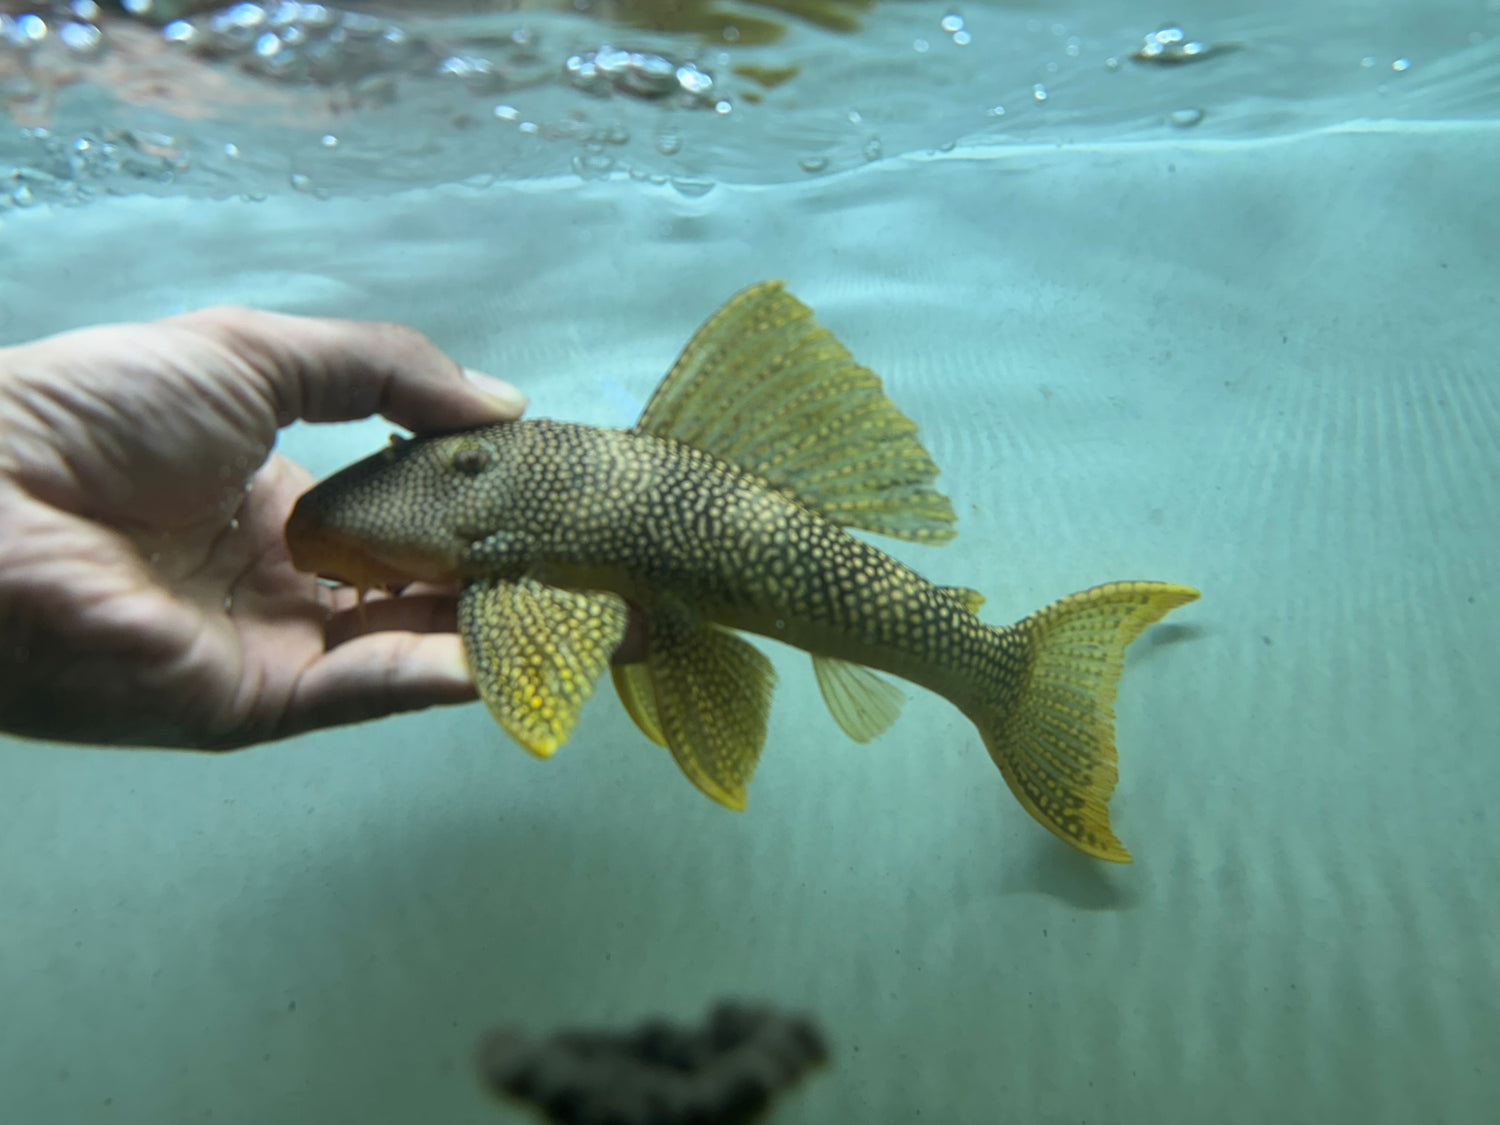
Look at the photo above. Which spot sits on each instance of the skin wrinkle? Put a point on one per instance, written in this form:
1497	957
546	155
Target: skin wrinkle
55	411
33	550
224	327
321	393
397	342
29	410
100	632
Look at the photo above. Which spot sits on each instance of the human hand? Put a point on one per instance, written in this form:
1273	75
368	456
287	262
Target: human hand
146	596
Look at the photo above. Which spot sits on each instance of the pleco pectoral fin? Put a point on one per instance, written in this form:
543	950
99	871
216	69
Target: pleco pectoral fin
633	685
713	697
536	652
862	703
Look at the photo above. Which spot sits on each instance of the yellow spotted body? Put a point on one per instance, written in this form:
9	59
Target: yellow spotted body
726	509
651	519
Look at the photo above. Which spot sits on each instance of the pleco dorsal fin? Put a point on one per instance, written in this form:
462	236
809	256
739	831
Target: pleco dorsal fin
705	694
862	703
763	386
535	653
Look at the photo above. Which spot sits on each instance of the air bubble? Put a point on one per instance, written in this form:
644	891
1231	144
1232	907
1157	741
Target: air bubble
82	38
593	165
29	29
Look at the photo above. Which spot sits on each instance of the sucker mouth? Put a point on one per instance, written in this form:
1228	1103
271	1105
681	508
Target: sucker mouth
317	549
327	557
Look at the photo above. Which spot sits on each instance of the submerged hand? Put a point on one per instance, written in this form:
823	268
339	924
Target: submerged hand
146	596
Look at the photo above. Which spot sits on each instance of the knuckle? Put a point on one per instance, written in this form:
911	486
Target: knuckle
402	342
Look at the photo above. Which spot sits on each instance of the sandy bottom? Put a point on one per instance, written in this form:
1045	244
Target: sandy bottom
1264	369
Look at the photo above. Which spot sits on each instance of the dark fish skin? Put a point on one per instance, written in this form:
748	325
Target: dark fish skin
643	517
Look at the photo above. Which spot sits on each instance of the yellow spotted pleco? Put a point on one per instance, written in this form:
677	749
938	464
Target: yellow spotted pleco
724	510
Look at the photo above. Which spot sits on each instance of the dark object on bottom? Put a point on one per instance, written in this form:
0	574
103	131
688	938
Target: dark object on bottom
726	1072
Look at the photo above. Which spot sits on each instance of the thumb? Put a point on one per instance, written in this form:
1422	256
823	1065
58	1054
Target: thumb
325	370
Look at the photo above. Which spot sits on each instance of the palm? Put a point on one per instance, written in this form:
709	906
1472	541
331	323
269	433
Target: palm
157	602
207	623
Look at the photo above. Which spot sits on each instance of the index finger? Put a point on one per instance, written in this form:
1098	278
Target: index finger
329	370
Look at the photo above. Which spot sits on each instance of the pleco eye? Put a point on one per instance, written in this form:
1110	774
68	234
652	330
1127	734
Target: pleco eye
470	459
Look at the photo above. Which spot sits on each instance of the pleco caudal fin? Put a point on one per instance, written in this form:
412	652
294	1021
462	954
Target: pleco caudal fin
1051	730
536	652
764	387
705	694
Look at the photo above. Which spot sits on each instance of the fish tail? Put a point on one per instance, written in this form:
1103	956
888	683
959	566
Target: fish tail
1049	720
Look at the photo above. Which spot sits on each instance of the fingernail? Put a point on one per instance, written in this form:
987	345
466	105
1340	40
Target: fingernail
449	664
505	397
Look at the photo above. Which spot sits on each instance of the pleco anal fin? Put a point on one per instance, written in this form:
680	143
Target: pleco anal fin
710	699
536	652
862	703
764	387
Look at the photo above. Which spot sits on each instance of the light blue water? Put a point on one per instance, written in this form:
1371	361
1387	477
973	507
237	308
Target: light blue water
1258	359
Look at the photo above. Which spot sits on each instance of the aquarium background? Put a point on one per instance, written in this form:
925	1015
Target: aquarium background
1231	321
